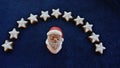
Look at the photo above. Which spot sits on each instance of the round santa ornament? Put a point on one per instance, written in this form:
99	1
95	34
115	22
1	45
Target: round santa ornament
54	39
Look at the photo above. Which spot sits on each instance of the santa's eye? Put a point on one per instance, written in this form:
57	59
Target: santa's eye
52	38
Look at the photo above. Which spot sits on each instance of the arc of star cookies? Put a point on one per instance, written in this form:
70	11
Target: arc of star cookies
56	13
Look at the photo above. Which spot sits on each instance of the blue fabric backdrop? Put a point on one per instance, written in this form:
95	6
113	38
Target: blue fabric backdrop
78	52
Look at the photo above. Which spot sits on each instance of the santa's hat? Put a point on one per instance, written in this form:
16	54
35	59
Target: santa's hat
55	30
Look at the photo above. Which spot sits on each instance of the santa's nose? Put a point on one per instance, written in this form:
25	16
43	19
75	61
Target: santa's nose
55	39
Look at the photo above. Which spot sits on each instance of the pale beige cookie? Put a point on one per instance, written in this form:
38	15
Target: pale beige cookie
94	38
56	13
22	23
87	27
7	45
67	16
33	18
100	48
14	34
79	20
44	15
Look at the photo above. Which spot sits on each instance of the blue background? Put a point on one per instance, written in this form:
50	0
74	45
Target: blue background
78	52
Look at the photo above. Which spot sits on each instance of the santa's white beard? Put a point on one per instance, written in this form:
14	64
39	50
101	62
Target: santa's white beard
55	45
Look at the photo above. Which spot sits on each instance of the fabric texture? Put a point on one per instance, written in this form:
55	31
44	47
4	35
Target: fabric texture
30	50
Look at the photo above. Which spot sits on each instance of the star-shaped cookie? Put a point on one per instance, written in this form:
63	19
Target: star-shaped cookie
99	48
7	45
33	18
67	16
44	15
87	27
14	34
94	38
22	23
56	13
79	20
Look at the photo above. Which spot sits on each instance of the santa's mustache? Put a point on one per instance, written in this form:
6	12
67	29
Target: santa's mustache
55	44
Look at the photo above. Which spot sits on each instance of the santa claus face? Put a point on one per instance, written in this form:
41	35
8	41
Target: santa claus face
54	40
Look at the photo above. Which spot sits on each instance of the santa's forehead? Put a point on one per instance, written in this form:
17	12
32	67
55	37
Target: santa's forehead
54	35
